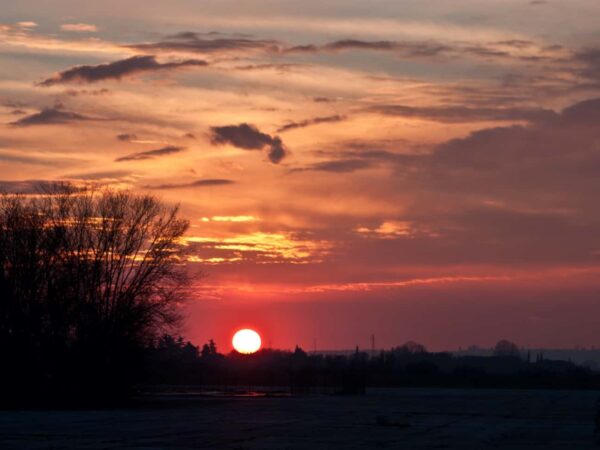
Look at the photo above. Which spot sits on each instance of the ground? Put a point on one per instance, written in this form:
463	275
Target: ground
390	418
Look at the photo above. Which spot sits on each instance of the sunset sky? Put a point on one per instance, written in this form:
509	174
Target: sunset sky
424	170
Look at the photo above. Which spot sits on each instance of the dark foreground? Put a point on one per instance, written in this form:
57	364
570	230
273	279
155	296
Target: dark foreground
386	418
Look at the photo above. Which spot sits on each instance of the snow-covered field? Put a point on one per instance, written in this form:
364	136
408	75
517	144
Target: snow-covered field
386	418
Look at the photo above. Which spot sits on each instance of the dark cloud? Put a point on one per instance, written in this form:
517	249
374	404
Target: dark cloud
117	70
500	195
545	169
354	160
586	112
277	151
408	48
197	183
322	99
13	104
485	52
590	60
309	48
91	92
248	137
189	42
517	43
151	153
512	195
460	113
309	122
125	137
243	136
50	116
109	174
195	43
34	186
337	166
431	49
280	67
35	160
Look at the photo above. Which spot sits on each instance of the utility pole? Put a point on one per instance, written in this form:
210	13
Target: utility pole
373	345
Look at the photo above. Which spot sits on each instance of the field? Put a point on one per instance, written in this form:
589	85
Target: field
394	418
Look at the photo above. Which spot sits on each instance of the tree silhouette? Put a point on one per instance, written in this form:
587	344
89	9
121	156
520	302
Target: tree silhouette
412	348
86	279
506	348
209	349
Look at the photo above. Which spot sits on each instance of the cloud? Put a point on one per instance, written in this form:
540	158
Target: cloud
50	116
460	113
408	48
243	136
248	137
515	49
125	137
337	166
198	183
309	122
276	151
38	159
355	160
106	175
189	42
116	70
283	67
27	24
590	59
79	27
92	92
34	186
510	194
151	154
586	112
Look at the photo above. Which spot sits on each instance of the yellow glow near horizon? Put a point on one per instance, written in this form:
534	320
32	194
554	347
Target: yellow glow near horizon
246	341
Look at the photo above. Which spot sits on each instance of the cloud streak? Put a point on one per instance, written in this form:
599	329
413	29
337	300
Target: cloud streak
189	42
461	113
50	116
150	154
309	122
79	27
337	166
198	183
117	70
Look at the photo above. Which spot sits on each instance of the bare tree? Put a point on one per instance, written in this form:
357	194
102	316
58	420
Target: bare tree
86	277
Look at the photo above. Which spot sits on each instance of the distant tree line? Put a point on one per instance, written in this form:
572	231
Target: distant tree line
177	362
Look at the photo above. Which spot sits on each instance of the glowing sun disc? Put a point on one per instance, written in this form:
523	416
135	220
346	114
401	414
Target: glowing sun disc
246	341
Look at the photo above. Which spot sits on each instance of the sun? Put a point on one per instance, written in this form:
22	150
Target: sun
246	341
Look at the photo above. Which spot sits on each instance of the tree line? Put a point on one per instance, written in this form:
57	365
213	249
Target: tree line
175	362
88	278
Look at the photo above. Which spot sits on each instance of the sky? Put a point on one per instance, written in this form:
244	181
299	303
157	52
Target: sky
417	170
